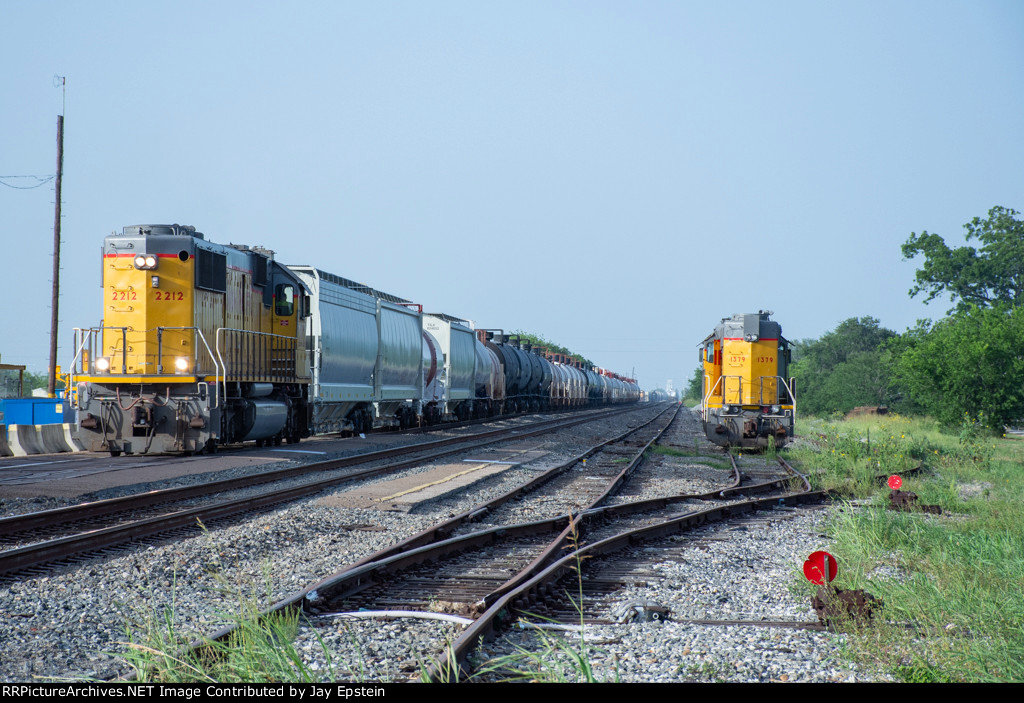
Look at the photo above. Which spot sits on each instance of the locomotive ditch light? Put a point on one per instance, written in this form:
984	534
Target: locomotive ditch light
103	364
181	364
776	409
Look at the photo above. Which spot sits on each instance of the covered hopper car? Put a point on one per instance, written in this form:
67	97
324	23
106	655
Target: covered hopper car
203	344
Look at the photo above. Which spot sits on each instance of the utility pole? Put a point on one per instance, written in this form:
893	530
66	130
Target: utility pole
52	382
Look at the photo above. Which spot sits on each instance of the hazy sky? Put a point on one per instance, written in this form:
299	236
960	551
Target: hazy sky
615	176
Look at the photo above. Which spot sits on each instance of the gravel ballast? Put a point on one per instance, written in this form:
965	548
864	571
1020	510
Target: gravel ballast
65	625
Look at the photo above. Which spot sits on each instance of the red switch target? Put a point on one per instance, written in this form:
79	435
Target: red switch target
814	567
895	482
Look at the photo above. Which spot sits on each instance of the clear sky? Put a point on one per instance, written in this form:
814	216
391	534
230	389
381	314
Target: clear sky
615	176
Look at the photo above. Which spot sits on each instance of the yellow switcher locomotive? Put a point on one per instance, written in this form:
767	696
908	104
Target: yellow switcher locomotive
199	343
748	400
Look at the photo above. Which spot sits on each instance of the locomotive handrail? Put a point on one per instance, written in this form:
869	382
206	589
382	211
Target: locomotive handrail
789	390
291	346
87	336
217	375
707	396
72	386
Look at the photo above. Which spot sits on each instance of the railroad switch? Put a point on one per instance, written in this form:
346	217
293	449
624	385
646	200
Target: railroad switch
838	608
641	612
906	501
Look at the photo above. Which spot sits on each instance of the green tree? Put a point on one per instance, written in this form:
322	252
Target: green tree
31	381
845	368
695	389
538	341
967	365
981	277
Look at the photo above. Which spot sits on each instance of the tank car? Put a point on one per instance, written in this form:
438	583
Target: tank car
203	344
748	400
199	343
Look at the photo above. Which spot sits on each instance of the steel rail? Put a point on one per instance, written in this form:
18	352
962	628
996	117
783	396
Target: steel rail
73	545
434	544
417	547
83	511
500	610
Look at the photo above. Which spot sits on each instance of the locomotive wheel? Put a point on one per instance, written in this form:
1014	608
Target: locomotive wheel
277	439
115	452
211	446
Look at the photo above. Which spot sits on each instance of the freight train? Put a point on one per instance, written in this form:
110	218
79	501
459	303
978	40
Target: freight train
748	400
203	344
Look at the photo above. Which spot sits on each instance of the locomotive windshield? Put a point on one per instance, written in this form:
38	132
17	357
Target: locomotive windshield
284	298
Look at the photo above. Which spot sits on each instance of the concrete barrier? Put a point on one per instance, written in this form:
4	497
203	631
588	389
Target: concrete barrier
5	450
23	440
51	438
69	437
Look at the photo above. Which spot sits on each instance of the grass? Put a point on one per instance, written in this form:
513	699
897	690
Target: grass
706	458
551	658
953	585
260	649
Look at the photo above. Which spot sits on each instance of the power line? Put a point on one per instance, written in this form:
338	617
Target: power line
43	180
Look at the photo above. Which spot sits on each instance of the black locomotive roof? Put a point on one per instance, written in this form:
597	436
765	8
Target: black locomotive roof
749	326
176	230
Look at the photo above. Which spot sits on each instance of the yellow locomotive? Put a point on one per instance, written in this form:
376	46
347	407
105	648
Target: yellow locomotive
747	400
200	343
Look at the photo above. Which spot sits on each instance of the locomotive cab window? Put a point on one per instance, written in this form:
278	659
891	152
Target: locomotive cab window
284	300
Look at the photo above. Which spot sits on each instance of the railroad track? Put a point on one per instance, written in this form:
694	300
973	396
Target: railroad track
558	579
109	524
470	573
492	575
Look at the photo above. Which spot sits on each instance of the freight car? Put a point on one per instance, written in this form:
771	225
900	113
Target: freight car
748	400
204	344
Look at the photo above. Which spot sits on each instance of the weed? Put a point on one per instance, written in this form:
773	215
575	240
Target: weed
553	658
953	586
260	647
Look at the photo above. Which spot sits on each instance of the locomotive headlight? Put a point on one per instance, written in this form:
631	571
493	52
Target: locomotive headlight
181	364
103	364
145	262
776	409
